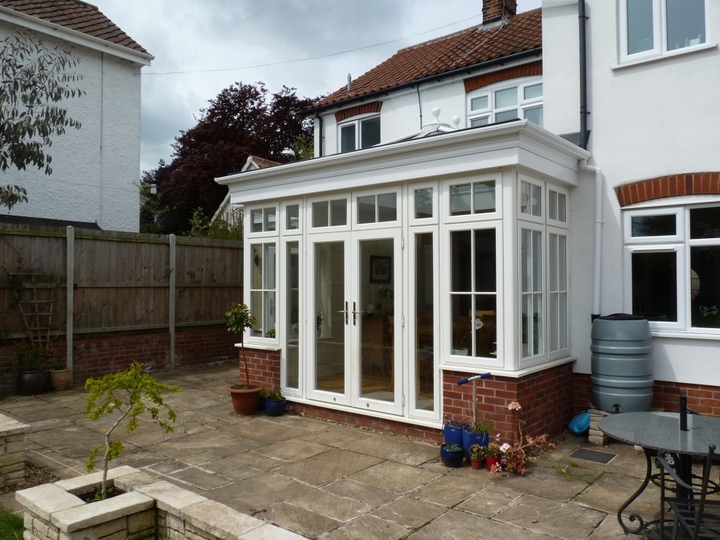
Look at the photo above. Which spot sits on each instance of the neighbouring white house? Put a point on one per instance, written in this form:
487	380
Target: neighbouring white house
96	170
476	201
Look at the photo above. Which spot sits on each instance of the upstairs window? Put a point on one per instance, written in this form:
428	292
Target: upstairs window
501	104
655	27
357	134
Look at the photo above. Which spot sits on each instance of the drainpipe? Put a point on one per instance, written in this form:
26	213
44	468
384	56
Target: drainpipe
582	21
597	236
320	138
417	89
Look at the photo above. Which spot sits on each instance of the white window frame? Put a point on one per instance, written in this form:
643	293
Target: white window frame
283	217
445	190
562	351
354	214
358	122
489	92
542	354
308	214
659	49
412	220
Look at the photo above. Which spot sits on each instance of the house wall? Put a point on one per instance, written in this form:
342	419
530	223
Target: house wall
96	169
647	120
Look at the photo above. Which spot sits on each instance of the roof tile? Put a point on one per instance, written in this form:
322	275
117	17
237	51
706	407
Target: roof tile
462	49
76	15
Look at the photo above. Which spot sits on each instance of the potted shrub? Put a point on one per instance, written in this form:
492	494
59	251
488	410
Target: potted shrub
493	455
451	455
477	453
29	360
60	376
476	433
275	402
245	397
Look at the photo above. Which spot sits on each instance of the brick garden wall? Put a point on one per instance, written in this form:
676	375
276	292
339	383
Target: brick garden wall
95	357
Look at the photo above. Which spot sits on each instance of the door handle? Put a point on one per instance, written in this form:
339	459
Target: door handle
356	313
345	311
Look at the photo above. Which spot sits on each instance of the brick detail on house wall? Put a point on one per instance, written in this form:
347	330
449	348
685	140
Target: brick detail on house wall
703	399
99	356
365	108
264	367
525	70
675	185
495	10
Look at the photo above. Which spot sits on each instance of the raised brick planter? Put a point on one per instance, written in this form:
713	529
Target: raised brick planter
149	508
12	451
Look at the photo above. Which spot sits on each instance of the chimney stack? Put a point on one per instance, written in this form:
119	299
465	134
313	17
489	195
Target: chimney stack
494	11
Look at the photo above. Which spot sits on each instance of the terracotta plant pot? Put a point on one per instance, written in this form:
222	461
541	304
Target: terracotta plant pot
245	400
476	462
61	379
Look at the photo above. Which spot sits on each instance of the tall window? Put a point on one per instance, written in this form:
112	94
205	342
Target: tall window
357	134
500	104
263	265
531	292
655	27
673	267
473	292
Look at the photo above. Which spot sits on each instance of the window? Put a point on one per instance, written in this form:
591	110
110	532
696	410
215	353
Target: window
262	219
557	291
655	27
262	288
377	208
488	106
357	134
472	198
673	267
531	292
473	292
329	213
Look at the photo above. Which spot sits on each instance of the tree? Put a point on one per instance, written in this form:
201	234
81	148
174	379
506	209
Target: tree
33	80
242	120
126	395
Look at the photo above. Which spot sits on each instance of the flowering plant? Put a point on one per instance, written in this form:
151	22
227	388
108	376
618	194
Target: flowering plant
515	457
494	449
477	451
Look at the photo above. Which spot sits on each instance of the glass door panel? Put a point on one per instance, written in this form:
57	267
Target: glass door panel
424	342
376	329
329	329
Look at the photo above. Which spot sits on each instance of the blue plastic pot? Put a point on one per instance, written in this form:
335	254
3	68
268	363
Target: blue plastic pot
450	458
468	439
453	435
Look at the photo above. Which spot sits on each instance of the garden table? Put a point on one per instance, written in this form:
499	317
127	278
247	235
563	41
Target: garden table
659	432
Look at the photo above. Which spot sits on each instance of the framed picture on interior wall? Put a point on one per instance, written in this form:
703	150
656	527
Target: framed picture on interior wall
380	269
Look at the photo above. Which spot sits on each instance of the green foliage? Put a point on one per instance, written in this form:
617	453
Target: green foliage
30	357
229	227
274	395
238	319
480	426
126	395
11	525
33	80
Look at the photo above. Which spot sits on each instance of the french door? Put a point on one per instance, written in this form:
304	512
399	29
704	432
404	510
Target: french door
355	298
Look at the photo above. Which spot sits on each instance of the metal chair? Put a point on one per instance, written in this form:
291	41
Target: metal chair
694	514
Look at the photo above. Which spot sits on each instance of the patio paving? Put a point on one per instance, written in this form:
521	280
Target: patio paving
332	481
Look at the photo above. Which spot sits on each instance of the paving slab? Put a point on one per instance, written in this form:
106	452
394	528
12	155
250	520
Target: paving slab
329	467
358	491
451	490
396	449
394	477
296	451
490	501
258	492
454	525
558	519
299	520
368	527
411	513
331	505
610	491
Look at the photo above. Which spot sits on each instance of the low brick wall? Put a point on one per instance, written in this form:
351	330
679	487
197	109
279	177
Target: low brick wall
148	509
12	451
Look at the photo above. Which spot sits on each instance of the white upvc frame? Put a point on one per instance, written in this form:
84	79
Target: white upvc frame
435	198
681	255
564	351
659	48
492	109
676	211
283	332
445	199
377	225
357	121
284	210
542	355
308	214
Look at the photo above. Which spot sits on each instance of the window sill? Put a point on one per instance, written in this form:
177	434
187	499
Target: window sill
683	335
260	346
629	62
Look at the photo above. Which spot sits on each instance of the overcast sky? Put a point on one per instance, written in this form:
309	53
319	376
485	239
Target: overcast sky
203	46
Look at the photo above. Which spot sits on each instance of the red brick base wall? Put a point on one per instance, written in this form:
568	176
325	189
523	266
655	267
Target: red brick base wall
99	356
702	399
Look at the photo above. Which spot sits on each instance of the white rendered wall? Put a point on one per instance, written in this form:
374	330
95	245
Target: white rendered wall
95	169
647	120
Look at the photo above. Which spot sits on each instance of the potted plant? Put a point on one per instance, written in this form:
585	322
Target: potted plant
29	360
453	430
451	455
275	403
477	453
244	396
60	376
493	455
476	433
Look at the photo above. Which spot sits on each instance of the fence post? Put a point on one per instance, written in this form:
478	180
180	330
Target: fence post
172	280
69	295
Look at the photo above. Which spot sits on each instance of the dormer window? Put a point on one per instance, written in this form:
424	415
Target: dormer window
494	104
360	133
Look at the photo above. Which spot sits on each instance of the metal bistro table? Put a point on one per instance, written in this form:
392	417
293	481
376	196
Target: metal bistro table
660	432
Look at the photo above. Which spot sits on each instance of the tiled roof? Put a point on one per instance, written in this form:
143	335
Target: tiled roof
76	15
461	49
